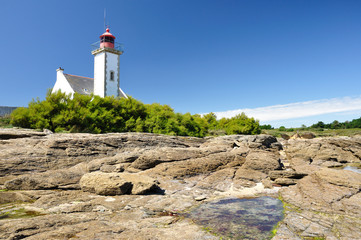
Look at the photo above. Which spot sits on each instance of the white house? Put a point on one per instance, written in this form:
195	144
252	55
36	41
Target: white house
106	72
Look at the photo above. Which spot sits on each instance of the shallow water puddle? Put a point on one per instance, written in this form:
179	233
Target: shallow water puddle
352	168
235	218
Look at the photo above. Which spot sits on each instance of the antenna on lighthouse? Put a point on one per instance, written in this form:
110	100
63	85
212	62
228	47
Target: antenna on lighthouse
105	14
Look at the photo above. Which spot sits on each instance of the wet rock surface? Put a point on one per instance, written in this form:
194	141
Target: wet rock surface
140	186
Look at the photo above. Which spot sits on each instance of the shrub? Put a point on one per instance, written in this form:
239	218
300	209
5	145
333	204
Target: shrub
282	128
240	124
5	121
266	126
81	113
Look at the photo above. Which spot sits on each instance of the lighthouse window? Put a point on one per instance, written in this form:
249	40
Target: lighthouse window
111	75
107	39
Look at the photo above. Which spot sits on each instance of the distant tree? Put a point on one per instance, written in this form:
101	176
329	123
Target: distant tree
268	126
282	128
355	123
211	120
320	124
335	125
240	124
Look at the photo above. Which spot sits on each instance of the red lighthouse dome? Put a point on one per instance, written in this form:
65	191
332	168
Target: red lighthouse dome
107	40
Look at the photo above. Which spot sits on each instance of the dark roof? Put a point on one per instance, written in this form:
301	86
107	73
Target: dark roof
82	85
6	110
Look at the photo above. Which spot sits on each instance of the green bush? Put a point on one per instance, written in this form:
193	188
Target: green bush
5	121
266	126
240	124
282	128
80	113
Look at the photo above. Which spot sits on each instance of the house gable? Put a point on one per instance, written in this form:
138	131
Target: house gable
62	83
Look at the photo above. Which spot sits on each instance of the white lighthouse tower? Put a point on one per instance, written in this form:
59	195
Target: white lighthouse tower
106	67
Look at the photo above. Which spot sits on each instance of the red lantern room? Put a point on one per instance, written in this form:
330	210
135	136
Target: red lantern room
107	40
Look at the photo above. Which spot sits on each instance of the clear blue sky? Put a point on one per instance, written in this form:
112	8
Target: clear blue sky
195	55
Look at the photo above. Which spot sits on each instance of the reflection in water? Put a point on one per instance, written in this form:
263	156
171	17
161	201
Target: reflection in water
352	168
234	218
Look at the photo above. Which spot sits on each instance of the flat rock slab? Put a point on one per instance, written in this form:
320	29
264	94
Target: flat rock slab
117	183
328	190
286	174
12	133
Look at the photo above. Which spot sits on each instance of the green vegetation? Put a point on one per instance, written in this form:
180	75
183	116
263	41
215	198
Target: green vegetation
320	129
239	124
274	230
355	123
61	113
5	122
80	113
267	126
16	212
318	133
284	129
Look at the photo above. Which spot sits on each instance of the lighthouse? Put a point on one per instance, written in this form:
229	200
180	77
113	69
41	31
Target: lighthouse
106	72
106	66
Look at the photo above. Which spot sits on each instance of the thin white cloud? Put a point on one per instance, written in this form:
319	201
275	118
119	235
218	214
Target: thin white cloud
298	110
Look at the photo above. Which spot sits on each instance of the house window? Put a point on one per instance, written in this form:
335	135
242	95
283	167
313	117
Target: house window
111	76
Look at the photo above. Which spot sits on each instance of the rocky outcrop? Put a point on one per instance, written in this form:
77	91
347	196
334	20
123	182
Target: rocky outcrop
13	133
327	190
286	177
152	158
58	151
52	179
263	161
191	167
137	186
339	149
325	204
308	135
9	197
117	183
